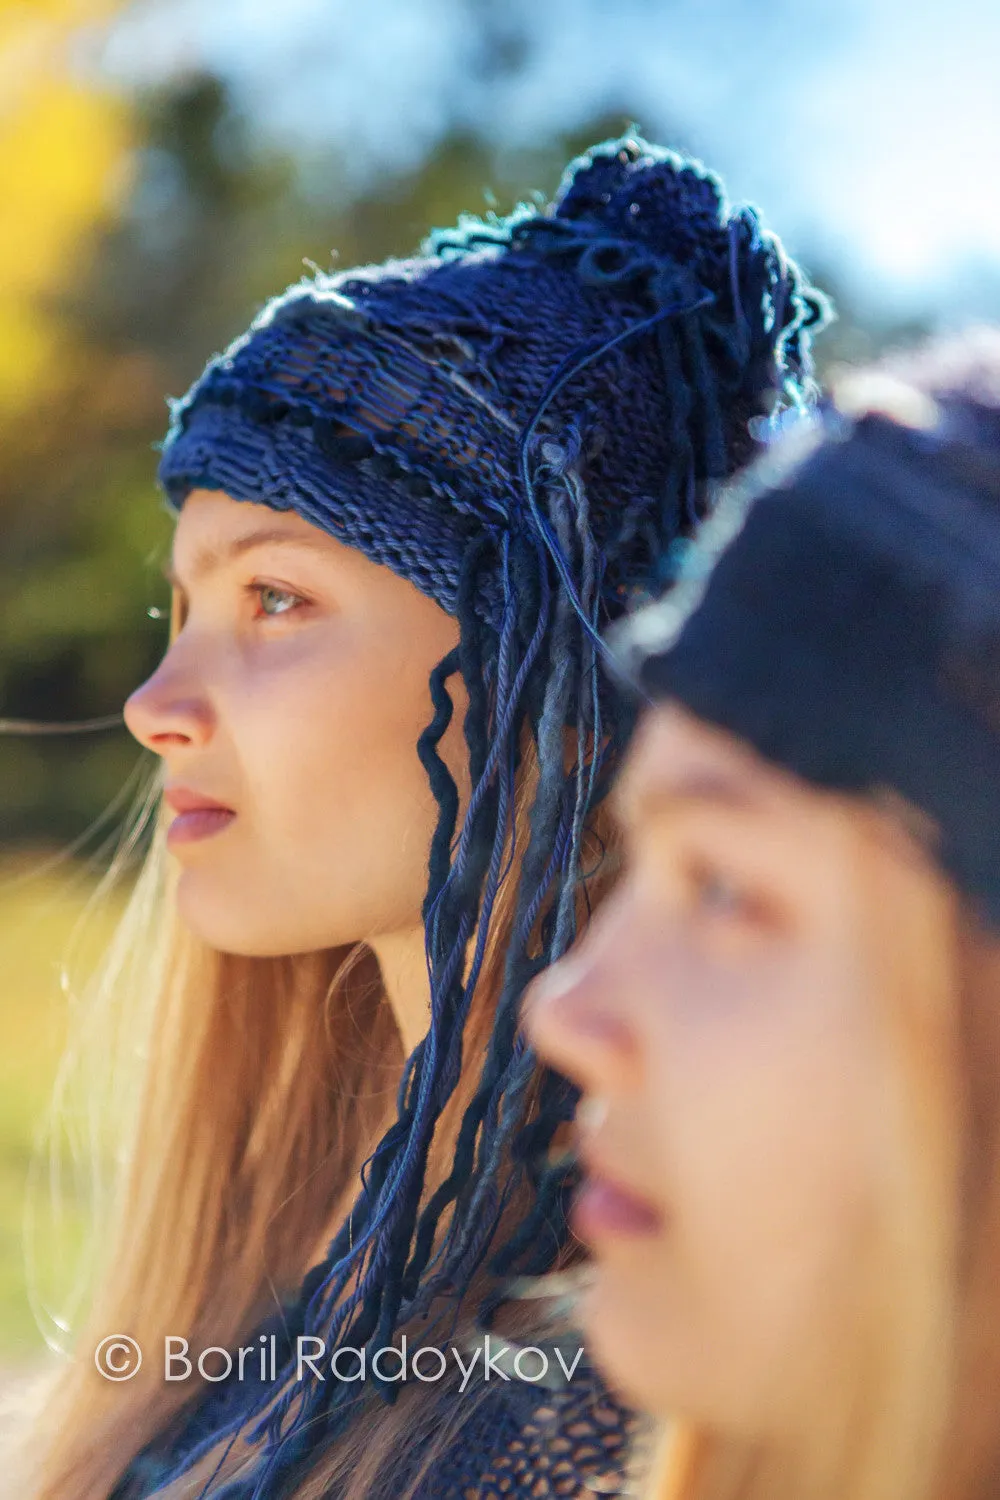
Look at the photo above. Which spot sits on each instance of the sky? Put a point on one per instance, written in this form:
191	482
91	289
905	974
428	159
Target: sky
866	131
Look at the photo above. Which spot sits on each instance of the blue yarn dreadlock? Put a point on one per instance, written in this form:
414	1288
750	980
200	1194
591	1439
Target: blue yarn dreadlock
519	420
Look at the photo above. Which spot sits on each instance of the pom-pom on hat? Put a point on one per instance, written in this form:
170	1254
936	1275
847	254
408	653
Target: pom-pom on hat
519	420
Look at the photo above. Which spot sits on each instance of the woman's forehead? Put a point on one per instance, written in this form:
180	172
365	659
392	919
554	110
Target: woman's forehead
676	755
214	528
206	509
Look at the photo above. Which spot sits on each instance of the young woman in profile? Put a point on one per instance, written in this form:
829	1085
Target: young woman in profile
408	499
786	1019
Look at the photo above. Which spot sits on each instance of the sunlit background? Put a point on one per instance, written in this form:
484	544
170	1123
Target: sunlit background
165	166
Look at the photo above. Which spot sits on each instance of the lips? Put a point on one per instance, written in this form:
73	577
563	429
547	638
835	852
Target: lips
198	817
183	800
605	1208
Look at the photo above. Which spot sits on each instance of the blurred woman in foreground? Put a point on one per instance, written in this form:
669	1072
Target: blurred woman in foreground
786	1020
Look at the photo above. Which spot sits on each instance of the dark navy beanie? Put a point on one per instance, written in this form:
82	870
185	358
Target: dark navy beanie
840	612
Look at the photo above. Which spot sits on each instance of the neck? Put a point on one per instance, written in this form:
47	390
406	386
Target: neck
403	963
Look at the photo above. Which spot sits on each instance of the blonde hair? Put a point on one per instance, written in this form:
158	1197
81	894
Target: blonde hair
249	1092
917	1414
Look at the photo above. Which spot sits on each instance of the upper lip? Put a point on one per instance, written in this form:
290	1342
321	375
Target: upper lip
182	799
598	1167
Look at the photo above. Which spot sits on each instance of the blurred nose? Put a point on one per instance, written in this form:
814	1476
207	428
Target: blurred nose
574	1013
170	709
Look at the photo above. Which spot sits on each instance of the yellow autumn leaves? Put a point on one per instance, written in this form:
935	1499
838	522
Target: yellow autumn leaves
64	142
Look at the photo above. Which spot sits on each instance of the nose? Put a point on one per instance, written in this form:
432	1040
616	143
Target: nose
169	709
575	1015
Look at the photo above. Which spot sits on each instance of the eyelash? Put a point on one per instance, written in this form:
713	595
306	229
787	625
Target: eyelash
726	898
256	590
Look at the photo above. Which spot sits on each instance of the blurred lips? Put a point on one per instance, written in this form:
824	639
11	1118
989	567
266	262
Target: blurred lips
604	1208
198	817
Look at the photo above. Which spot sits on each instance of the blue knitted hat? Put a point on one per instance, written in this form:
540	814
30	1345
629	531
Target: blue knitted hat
519	421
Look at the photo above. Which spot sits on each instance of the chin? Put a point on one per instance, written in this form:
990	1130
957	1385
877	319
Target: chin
248	922
625	1343
220	919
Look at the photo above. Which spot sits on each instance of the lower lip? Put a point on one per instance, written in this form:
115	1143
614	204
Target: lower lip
602	1210
200	823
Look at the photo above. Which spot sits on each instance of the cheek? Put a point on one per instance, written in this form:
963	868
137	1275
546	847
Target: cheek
353	754
774	1095
761	1109
340	812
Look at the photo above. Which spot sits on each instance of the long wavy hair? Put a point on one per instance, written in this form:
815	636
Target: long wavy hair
640	292
914	1411
238	1099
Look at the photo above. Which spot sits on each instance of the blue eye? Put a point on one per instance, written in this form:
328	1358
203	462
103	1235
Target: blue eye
733	903
268	594
719	895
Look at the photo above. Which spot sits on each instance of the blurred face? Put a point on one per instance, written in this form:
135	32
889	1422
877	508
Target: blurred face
721	1016
293	697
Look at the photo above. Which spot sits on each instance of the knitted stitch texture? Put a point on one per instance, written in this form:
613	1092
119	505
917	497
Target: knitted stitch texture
839	613
631	323
519	420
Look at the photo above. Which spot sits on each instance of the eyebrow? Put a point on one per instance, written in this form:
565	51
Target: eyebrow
629	802
210	558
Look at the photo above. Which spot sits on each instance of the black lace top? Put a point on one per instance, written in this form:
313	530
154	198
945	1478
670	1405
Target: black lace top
521	1441
527	1441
